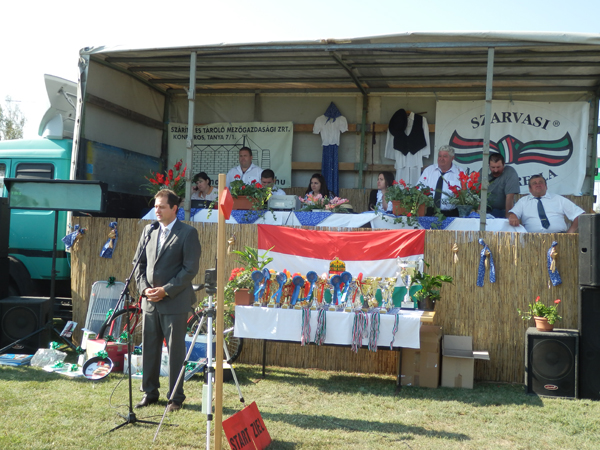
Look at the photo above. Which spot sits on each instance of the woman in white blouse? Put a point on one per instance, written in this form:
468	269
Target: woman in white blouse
377	197
202	188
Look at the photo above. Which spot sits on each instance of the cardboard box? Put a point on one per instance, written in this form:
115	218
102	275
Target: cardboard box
421	367
458	362
115	351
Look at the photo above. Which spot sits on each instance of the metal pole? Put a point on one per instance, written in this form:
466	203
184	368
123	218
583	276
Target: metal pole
486	138
363	126
189	143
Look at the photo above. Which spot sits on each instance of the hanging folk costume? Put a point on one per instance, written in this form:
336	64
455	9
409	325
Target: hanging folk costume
407	144
330	125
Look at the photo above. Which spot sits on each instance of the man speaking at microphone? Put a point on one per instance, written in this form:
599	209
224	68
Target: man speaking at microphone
164	278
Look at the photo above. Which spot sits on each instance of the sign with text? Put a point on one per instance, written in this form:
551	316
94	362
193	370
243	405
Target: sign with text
246	430
216	147
535	138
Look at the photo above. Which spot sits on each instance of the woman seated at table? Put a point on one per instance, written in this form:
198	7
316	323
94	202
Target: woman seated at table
377	196
318	185
202	188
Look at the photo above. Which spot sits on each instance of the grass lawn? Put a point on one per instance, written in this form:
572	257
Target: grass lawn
302	409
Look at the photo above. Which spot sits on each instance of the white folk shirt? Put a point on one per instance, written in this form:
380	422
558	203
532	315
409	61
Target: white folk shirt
330	131
379	205
408	167
556	208
430	177
253	173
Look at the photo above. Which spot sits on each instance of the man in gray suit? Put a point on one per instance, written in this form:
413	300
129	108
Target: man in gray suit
164	278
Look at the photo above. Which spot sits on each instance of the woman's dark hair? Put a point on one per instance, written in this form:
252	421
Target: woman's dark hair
388	177
203	176
323	191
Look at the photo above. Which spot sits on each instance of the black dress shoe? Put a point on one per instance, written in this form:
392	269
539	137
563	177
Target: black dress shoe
173	406
146	401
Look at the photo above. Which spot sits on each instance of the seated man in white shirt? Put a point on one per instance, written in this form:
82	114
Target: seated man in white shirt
267	179
246	171
541	212
439	177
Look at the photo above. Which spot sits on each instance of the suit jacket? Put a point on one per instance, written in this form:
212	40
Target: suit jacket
173	268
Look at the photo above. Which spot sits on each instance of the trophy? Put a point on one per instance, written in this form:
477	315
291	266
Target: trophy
298	283
257	276
320	286
312	278
370	286
346	278
280	278
335	291
387	286
407	271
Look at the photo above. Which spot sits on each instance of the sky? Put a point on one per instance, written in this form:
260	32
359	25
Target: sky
39	37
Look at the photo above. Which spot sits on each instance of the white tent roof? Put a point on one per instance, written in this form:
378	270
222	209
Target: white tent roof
409	62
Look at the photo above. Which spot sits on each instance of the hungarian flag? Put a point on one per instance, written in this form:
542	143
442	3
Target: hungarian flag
372	253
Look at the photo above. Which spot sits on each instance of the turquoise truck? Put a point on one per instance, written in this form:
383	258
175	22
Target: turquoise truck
31	235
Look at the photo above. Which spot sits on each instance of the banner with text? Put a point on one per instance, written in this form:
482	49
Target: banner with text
534	138
216	147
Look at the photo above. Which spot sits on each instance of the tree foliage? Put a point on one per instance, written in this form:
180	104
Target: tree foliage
12	120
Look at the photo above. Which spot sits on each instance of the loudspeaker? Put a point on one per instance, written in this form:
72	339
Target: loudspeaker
589	343
551	362
589	249
21	316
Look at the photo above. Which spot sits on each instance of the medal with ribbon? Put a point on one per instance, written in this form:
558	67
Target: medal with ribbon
483	264
552	270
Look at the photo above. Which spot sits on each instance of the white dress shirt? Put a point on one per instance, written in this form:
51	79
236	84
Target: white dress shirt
556	208
252	173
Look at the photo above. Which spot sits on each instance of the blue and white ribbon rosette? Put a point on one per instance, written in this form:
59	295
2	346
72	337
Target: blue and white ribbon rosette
111	243
552	271
485	252
70	239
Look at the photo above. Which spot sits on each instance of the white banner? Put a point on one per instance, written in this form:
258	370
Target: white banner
216	147
534	138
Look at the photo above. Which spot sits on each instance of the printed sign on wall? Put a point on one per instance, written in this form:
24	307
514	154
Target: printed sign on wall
216	147
534	138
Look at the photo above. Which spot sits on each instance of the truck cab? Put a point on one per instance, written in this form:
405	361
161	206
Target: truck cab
31	235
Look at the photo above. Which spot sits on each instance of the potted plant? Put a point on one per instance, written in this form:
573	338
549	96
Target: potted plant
467	196
255	193
318	202
429	293
409	201
240	286
544	316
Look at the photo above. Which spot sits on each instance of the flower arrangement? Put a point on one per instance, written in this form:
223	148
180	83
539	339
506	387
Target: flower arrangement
255	192
469	191
538	309
173	179
312	202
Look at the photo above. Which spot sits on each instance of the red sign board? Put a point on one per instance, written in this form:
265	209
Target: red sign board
246	430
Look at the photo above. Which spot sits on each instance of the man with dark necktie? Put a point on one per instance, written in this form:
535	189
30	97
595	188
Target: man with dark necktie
439	177
542	212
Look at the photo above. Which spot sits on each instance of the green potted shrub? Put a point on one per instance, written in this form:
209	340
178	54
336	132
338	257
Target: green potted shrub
429	293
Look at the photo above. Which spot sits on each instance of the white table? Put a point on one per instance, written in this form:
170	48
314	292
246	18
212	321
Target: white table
278	324
458	224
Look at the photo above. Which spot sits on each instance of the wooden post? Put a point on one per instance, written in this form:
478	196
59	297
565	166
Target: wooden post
221	248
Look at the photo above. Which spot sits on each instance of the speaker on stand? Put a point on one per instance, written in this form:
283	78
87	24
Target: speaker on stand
589	306
551	362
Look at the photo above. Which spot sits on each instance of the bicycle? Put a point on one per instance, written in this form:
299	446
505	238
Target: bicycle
112	325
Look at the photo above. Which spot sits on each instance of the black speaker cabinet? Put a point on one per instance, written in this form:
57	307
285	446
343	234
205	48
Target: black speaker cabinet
589	249
589	343
21	316
551	362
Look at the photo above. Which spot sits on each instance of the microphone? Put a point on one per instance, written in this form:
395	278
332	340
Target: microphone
153	227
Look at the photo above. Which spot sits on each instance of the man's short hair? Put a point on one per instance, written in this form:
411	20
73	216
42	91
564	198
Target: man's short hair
172	198
446	148
267	173
536	176
496	157
247	149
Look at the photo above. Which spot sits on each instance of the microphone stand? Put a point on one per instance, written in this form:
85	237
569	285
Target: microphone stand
131	418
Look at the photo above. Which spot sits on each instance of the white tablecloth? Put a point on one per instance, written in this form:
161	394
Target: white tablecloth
286	325
458	224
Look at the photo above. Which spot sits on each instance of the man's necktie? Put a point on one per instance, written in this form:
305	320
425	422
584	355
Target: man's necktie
161	240
437	197
542	213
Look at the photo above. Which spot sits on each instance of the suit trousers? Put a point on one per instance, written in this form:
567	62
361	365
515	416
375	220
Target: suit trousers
172	328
